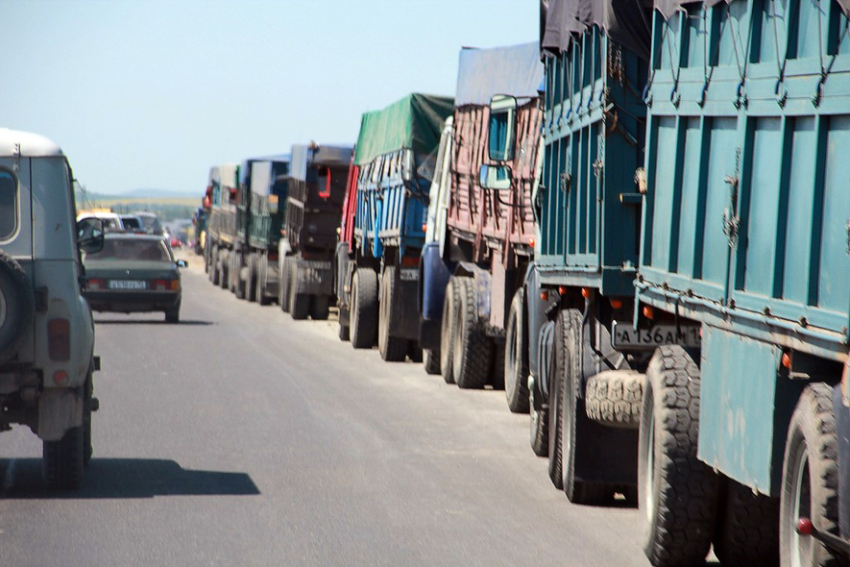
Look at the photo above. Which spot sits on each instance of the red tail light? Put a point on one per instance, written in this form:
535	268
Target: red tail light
165	285
95	284
59	339
410	261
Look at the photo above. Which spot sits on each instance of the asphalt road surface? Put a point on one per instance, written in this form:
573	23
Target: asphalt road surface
242	437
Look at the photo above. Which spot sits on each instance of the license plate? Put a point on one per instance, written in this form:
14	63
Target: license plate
409	274
625	336
128	284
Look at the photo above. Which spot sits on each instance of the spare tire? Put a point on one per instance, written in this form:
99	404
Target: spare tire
17	307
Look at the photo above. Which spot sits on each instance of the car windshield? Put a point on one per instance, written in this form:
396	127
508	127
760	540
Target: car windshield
132	249
132	223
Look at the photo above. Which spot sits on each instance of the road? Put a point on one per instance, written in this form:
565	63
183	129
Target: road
242	437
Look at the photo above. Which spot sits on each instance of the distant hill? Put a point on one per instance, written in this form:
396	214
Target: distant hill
145	193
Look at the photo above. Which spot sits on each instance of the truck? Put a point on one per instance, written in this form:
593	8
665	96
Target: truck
247	249
582	394
221	224
47	338
383	225
475	257
744	437
317	181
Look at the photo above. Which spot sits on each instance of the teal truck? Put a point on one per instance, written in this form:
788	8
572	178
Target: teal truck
709	345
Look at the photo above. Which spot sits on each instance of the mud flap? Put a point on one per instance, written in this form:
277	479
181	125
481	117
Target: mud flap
58	411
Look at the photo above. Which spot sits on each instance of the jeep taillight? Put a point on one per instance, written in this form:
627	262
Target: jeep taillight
59	339
95	284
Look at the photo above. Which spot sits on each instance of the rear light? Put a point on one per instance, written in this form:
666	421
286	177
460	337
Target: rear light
410	261
59	339
60	378
95	284
165	285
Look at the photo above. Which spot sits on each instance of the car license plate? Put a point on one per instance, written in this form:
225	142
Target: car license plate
409	274
624	335
128	284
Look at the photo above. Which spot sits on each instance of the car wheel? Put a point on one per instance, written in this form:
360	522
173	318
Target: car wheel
63	461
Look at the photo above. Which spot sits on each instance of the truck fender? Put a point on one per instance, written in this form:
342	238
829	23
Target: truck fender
482	287
434	274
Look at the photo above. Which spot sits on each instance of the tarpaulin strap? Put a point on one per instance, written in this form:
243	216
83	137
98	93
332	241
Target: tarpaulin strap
708	71
742	69
825	71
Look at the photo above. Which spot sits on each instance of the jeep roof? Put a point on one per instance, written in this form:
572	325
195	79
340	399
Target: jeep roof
26	144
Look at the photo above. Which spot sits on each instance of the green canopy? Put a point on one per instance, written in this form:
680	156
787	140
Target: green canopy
413	122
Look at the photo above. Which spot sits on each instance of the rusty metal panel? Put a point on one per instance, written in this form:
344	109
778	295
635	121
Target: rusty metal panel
474	213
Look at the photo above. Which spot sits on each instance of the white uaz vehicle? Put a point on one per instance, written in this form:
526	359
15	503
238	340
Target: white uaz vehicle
46	327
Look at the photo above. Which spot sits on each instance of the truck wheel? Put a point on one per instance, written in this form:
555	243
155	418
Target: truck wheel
497	375
810	479
223	275
414	353
344	332
613	398
17	306
299	306
748	531
557	397
262	278
285	277
677	493
432	360
472	348
252	279
214	273
392	349
516	357
364	308
241	277
539	426
320	308
63	461
448	331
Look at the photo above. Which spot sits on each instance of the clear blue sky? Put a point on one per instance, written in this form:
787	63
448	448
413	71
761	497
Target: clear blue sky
150	94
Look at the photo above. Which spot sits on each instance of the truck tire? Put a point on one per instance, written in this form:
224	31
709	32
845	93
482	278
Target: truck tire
285	277
214	273
472	348
320	307
614	397
677	493
432	360
539	427
251	281
223	275
810	479
414	353
516	356
364	309
344	332
63	461
392	349
448	332
241	276
557	397
497	374
262	278
17	306
748	530
299	306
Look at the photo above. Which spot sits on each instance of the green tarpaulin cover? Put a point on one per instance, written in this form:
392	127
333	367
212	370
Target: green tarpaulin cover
413	122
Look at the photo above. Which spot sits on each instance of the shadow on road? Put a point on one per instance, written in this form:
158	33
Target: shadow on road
151	322
125	478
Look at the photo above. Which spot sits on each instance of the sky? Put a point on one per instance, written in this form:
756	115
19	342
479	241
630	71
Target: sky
151	94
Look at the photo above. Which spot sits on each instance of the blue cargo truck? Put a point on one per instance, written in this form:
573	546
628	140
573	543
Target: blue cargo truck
745	254
584	394
391	176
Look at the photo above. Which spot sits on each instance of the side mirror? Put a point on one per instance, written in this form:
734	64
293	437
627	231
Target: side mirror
502	131
182	264
90	235
496	177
